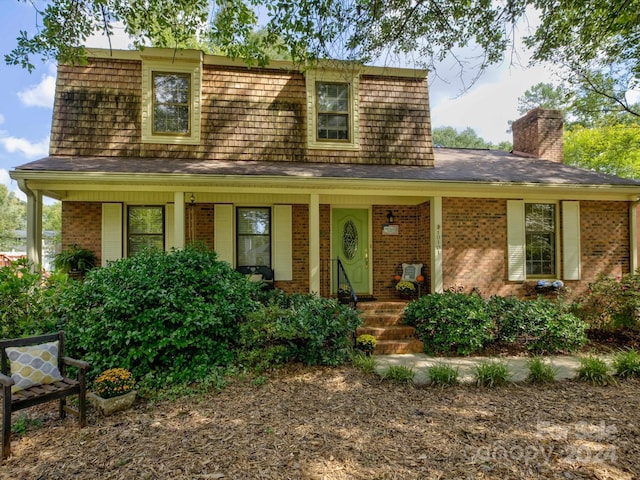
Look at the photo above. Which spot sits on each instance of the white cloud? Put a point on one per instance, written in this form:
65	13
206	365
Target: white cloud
25	147
488	107
40	94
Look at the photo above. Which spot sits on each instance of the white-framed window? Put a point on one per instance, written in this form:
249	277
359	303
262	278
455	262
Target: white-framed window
145	228
253	236
537	248
171	101
540	239
332	110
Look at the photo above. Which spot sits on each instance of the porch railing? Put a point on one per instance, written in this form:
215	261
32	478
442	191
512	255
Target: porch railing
346	294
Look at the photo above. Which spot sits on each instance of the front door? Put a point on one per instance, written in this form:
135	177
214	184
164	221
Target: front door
350	243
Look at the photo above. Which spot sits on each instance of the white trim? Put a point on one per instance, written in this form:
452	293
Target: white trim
571	240
314	243
111	232
282	243
516	241
437	275
178	221
223	236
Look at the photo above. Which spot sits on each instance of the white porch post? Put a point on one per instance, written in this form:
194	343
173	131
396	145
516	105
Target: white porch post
633	228
436	245
314	243
34	226
178	220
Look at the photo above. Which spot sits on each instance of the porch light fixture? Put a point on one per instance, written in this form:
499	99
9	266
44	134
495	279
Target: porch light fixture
192	199
390	216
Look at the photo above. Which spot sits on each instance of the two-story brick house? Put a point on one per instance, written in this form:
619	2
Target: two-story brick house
291	169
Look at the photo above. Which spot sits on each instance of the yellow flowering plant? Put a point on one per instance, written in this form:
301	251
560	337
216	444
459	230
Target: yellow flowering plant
114	382
405	287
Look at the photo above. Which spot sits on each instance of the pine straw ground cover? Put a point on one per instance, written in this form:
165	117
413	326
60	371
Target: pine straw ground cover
336	423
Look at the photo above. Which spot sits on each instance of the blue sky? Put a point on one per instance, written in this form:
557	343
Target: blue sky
26	100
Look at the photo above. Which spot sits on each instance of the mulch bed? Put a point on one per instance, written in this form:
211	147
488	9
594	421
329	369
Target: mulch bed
337	423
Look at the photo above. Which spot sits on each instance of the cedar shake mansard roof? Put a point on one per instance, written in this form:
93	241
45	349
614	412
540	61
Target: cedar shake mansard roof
451	165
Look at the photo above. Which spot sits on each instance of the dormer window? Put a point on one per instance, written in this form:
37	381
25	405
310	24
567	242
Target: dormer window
171	97
171	103
332	110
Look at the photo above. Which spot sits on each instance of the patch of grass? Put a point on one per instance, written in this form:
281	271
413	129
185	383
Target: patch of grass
20	425
363	362
491	374
541	372
443	375
595	370
259	381
399	374
626	363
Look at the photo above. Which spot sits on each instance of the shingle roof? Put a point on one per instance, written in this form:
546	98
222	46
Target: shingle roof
451	165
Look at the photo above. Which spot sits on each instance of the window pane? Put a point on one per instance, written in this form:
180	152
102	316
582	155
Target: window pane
333	97
171	103
254	236
145	226
540	238
333	127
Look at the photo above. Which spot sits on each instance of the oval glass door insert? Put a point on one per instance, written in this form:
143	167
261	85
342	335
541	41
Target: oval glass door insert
349	240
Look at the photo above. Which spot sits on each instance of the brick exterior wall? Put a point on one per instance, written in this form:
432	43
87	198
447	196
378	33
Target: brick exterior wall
539	133
300	242
82	225
199	222
247	114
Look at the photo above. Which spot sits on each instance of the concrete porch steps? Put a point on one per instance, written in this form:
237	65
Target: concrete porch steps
385	321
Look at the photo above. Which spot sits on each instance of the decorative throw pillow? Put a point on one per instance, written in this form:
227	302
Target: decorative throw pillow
410	271
256	277
34	365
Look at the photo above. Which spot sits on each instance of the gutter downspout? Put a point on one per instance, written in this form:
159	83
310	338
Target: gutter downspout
34	225
633	228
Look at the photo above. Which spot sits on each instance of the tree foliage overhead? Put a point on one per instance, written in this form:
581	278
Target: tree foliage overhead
467	138
583	35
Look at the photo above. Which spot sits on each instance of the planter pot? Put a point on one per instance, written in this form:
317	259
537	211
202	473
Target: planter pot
108	406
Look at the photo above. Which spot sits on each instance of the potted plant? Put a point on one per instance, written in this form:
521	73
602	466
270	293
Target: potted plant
405	288
75	259
366	343
113	391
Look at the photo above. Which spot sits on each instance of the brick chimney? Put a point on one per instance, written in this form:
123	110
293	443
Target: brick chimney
539	134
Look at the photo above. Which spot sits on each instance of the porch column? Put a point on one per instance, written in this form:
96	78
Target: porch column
314	243
34	225
178	220
436	245
635	231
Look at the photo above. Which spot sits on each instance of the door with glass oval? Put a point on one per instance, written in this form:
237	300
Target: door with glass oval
350	243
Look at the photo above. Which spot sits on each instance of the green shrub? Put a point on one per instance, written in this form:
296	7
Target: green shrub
594	370
305	328
491	374
399	374
540	325
611	303
26	300
540	371
443	375
169	318
627	363
450	322
364	363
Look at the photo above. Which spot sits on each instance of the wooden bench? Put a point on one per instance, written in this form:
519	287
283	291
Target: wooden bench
35	395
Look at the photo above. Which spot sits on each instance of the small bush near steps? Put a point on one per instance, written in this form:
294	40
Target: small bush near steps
594	370
399	374
626	363
443	375
540	372
491	374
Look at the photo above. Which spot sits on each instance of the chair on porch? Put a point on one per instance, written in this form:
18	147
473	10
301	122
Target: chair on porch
414	273
259	273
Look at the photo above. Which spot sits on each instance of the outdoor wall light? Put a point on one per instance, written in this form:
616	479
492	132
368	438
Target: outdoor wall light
192	199
390	216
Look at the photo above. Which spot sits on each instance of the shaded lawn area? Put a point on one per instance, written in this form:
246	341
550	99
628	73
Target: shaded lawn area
337	423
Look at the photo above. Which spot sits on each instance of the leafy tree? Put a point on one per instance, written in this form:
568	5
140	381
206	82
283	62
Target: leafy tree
468	138
613	149
594	41
12	217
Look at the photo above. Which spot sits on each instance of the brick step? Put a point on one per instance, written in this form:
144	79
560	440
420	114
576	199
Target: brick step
397	332
382	319
389	347
381	307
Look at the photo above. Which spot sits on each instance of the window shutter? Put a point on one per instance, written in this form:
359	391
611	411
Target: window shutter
111	232
571	240
516	241
223	232
282	243
169	230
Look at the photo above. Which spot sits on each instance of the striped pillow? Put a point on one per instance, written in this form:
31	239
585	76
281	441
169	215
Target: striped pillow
33	365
